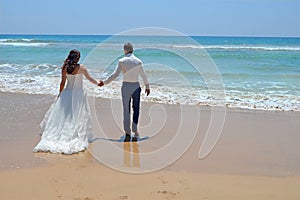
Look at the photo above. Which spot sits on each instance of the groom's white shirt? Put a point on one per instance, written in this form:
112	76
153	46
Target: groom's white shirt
131	68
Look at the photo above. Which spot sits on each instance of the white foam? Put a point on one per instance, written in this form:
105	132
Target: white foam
241	47
159	93
20	44
15	40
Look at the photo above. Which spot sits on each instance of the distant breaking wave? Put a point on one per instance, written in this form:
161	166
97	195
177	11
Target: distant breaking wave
24	42
36	42
240	47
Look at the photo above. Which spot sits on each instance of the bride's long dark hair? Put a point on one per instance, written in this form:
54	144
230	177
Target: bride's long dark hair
72	61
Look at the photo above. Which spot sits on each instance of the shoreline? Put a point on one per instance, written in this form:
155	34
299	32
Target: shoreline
203	106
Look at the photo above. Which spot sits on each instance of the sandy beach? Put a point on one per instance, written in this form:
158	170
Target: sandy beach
256	157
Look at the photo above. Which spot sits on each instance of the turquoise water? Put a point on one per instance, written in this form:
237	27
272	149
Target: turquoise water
257	73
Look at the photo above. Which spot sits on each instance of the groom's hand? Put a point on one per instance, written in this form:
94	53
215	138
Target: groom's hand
147	91
101	83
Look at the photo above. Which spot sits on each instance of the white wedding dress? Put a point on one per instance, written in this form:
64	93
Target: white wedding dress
67	124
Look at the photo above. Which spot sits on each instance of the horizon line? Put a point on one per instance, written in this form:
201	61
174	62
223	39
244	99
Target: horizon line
190	35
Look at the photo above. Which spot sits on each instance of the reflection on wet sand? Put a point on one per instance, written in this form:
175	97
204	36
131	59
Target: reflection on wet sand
131	154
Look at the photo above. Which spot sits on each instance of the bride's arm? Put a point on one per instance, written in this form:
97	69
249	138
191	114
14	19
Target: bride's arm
63	79
87	75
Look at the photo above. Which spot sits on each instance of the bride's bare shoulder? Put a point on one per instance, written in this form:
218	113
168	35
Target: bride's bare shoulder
82	69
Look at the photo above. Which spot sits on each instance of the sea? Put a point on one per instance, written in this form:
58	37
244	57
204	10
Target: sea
259	73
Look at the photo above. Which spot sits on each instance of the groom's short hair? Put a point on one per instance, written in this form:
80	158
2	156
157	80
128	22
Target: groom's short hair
128	47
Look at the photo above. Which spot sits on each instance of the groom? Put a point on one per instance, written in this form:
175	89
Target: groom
131	68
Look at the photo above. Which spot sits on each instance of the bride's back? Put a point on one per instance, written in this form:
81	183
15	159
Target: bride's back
74	81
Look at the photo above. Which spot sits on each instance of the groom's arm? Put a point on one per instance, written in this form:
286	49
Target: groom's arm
114	75
145	80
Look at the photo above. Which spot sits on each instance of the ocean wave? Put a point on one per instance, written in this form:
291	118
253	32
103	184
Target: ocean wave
160	94
19	44
240	47
15	40
30	69
202	47
24	42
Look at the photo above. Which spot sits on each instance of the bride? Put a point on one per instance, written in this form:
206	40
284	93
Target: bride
66	125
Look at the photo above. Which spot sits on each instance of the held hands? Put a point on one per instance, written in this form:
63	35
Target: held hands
101	83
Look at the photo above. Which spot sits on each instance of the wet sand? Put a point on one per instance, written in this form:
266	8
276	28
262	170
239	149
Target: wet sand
256	157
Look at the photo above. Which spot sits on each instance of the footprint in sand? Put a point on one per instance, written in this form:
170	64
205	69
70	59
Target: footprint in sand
124	197
168	194
162	179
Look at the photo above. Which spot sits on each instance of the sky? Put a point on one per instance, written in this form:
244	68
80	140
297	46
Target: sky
190	17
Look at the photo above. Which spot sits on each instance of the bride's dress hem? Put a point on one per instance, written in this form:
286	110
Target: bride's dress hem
50	150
